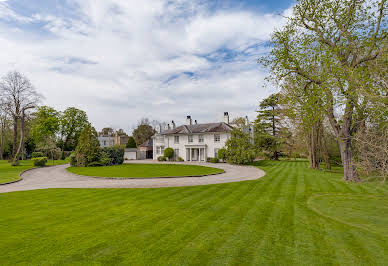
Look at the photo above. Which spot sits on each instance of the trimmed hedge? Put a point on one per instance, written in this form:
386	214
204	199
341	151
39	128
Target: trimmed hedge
168	153
162	159
37	154
39	161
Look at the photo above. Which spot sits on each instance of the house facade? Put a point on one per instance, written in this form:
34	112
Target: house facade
108	138
192	141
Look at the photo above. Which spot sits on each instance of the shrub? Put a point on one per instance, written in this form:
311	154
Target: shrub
72	159
95	164
39	161
168	153
161	159
222	154
116	154
180	159
37	154
105	159
214	160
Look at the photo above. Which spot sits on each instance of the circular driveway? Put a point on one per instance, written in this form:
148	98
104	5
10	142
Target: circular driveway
59	177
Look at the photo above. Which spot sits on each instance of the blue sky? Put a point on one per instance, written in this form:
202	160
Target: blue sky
122	60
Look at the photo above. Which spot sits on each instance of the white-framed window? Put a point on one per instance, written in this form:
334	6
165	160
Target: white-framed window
176	139
176	153
159	149
217	138
190	138
216	152
160	138
104	142
200	138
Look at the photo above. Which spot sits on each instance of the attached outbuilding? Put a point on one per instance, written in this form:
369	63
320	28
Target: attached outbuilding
130	154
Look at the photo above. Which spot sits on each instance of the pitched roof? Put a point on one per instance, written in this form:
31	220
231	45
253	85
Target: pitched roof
200	128
148	143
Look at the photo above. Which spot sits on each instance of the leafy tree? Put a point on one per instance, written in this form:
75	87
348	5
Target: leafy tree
142	133
330	44
44	129
239	148
72	123
131	143
88	147
267	125
168	153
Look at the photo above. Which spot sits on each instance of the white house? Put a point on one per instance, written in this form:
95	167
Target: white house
192	141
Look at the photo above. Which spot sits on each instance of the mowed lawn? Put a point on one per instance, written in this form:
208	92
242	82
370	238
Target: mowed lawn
145	170
9	173
292	216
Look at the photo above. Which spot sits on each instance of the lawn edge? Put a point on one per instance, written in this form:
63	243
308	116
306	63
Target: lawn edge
145	178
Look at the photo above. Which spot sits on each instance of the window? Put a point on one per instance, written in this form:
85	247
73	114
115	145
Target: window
200	138
176	139
190	137
216	153
104	143
159	149
176	154
217	138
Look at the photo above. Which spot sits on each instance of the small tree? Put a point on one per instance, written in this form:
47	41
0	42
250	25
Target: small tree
239	148
131	143
168	153
88	148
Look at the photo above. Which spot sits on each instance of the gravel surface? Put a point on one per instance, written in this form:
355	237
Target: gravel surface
59	177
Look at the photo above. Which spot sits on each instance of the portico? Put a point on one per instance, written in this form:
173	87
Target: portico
196	153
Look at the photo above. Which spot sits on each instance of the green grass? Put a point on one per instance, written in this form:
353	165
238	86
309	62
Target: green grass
292	216
9	173
145	170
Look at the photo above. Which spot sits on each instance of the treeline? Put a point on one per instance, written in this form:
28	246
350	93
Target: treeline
26	127
330	62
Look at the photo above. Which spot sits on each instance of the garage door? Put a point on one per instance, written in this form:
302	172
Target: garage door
130	155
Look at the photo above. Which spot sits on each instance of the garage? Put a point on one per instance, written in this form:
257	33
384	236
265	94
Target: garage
130	154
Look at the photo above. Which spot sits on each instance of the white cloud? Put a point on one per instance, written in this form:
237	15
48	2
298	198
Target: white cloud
122	60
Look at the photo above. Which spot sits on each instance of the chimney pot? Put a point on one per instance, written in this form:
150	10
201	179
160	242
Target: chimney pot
188	120
226	117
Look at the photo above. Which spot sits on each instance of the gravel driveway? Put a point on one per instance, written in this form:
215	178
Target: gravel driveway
59	177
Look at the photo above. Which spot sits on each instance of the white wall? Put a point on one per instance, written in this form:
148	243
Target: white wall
130	155
183	141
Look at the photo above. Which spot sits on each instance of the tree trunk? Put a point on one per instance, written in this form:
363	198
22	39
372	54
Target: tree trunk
16	156
313	143
15	135
325	151
350	171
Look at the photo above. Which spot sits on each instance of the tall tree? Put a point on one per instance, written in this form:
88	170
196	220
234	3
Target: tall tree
267	125
131	143
143	132
330	43
72	122
20	97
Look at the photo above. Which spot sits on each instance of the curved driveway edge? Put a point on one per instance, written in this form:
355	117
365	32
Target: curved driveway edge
59	177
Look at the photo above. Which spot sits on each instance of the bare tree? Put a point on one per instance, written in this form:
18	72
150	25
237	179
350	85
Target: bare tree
19	97
372	146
